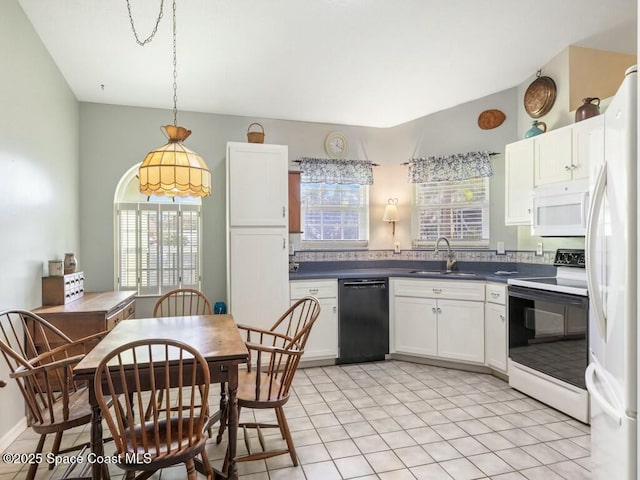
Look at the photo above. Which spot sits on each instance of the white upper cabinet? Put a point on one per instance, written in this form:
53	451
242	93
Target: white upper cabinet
518	182
553	157
588	145
564	154
258	173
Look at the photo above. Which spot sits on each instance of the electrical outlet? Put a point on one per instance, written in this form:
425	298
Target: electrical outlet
539	251
396	247
500	248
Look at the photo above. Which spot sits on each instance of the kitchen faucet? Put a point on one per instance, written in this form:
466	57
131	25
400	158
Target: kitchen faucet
451	262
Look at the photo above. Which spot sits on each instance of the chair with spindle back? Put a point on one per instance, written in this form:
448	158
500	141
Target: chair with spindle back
182	301
274	356
41	359
170	436
177	303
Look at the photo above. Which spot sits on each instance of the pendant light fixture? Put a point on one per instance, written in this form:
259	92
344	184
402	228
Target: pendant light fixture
172	170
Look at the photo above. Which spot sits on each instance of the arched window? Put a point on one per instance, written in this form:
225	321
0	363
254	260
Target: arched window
158	240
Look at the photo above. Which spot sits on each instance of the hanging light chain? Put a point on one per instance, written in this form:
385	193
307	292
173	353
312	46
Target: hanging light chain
142	43
175	70
175	56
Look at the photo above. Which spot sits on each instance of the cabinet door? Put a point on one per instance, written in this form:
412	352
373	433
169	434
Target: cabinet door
294	202
258	273
588	146
461	330
323	339
416	327
495	328
257	184
553	156
518	183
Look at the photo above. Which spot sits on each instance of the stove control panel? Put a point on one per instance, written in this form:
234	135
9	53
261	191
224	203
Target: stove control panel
566	257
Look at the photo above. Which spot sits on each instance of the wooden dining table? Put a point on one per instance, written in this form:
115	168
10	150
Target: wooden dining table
216	337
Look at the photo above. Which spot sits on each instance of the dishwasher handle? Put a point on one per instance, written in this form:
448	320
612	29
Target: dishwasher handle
365	283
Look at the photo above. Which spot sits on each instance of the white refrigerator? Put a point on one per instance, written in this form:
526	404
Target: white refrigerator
611	249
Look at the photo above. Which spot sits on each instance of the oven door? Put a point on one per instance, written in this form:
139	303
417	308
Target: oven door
548	332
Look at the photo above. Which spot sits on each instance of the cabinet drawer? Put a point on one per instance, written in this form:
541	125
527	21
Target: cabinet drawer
496	293
317	288
121	312
451	289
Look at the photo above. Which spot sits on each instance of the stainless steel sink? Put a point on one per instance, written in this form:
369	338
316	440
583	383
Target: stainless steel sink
440	272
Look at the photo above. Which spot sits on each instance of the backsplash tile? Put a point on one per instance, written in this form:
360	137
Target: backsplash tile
421	255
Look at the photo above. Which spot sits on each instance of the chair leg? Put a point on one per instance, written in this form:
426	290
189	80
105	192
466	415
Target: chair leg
284	427
206	465
34	466
191	469
55	448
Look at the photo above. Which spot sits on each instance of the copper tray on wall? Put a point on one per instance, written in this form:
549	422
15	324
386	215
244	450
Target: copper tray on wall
540	96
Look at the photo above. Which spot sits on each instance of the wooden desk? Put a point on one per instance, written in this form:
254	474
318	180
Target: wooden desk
216	337
92	313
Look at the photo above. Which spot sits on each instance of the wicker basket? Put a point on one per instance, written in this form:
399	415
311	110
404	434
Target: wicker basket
255	137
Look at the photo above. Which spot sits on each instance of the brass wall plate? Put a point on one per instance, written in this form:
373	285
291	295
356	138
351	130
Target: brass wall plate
540	96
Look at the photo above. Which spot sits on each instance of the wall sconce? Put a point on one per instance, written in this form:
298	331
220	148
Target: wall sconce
391	213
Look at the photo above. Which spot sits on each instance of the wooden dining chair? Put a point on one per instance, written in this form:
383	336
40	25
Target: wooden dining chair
274	356
41	358
177	303
182	301
171	436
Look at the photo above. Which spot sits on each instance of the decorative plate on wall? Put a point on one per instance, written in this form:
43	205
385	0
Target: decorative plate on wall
491	119
540	96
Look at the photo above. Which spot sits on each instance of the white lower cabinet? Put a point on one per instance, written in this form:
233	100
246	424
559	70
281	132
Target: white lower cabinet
495	324
323	340
443	319
461	330
416	325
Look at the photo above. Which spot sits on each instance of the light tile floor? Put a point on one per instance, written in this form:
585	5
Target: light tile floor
397	420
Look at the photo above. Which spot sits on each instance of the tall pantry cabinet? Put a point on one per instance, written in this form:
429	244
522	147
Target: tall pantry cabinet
257	228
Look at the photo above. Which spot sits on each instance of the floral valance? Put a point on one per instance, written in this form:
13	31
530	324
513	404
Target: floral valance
460	166
328	170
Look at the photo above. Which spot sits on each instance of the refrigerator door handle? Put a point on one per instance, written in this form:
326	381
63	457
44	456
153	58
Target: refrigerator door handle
592	224
607	407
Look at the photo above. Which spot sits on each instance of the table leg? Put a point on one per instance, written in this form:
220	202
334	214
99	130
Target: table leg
97	446
232	412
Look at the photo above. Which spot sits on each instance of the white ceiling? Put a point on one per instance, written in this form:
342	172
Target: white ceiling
356	62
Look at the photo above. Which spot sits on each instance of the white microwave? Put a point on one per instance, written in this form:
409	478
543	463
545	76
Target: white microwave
561	210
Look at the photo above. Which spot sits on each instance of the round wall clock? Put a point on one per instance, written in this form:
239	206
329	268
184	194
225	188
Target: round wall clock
336	145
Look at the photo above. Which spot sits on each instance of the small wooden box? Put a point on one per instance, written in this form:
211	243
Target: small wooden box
62	290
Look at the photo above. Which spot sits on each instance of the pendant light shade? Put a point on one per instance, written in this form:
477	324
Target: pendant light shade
173	170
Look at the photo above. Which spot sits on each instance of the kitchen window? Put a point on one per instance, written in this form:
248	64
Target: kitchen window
334	215
458	210
158	242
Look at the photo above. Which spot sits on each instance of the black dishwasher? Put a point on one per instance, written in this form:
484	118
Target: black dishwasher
363	320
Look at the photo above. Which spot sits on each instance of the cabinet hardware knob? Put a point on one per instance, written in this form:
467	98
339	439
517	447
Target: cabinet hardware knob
439	310
335	309
433	309
567	168
502	317
528	210
3	383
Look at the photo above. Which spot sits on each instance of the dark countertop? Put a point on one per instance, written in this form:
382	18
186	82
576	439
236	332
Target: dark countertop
484	271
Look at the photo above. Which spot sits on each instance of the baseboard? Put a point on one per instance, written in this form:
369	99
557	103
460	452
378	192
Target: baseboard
436	362
13	434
